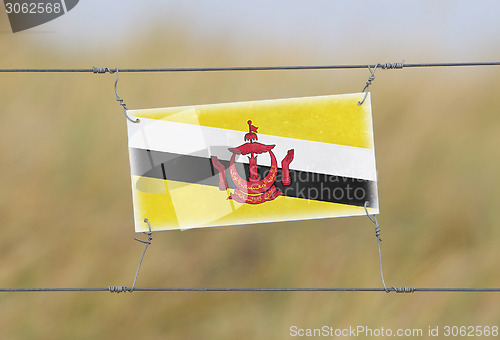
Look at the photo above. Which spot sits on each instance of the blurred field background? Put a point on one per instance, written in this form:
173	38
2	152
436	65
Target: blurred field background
66	209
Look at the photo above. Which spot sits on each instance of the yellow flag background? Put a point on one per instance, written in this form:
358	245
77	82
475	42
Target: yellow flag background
330	135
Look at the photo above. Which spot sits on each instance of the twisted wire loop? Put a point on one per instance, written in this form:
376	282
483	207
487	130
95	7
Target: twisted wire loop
118	99
102	70
122	289
147	243
368	83
377	235
374	220
384	66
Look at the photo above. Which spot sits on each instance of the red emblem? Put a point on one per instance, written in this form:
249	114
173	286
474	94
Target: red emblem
255	190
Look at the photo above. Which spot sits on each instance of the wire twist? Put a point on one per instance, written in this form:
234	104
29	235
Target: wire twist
368	83
385	66
122	289
102	70
392	66
117	289
377	234
404	289
374	220
120	100
147	242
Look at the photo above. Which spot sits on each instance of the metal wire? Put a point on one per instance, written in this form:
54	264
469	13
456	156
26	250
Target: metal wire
377	235
118	98
373	218
173	289
365	90
147	242
120	289
251	68
123	289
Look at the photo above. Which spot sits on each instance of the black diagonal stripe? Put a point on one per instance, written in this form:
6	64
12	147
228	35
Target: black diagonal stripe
307	185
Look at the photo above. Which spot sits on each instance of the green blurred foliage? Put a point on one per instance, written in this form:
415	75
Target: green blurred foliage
66	210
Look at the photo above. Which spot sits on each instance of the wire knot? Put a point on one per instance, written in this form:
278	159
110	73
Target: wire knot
402	289
368	83
103	70
147	242
118	289
374	220
378	232
120	100
148	233
392	66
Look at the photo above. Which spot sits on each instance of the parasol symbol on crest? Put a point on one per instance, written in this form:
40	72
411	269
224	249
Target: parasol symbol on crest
255	190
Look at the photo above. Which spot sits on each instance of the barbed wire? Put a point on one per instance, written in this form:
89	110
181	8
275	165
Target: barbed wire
398	65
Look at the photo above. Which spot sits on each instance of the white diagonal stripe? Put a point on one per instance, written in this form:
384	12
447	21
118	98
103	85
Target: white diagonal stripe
196	140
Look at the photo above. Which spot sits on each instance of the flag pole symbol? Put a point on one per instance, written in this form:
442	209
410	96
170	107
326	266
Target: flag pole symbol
254	190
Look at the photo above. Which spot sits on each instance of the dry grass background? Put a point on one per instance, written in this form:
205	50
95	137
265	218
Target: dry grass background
66	211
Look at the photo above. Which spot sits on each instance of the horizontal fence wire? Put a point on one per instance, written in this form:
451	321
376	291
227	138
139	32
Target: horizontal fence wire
120	289
249	68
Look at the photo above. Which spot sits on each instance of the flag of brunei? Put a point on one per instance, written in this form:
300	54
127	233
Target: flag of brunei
252	162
